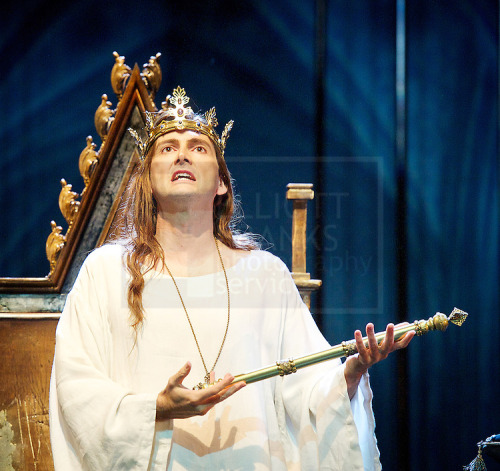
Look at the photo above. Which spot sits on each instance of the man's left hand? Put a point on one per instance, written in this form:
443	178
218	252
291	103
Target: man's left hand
367	356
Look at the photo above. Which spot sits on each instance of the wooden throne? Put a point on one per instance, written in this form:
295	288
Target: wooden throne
30	307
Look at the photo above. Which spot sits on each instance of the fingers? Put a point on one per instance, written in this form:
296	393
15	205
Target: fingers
372	344
387	345
230	390
179	377
221	390
401	342
372	341
223	395
404	341
373	352
176	401
360	346
217	393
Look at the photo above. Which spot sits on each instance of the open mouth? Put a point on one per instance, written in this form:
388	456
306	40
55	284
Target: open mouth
183	175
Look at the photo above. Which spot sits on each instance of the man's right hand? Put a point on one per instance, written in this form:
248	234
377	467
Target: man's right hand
178	402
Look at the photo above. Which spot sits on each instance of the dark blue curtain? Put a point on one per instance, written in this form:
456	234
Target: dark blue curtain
360	186
406	210
453	231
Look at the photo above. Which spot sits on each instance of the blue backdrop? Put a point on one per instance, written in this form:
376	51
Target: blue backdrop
389	107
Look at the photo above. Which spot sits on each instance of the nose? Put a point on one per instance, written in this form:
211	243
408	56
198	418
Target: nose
182	155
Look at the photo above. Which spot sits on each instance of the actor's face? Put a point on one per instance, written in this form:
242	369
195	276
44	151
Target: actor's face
184	168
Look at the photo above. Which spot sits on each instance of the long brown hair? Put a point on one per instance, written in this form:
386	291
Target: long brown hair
138	227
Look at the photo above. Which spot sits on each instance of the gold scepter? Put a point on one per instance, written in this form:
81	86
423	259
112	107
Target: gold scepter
285	367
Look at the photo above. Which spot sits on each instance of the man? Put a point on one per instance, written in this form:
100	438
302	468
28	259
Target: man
184	297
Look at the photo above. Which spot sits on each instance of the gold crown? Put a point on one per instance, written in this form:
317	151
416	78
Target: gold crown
179	117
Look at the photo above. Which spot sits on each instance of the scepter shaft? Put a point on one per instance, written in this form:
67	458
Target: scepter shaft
347	348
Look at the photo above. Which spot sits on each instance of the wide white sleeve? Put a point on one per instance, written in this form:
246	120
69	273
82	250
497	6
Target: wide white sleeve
96	422
321	427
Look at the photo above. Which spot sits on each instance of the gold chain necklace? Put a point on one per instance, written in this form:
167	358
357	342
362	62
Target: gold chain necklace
207	375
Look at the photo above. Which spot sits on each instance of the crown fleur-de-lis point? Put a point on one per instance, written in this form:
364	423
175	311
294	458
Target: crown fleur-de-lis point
211	117
149	121
179	97
141	145
225	133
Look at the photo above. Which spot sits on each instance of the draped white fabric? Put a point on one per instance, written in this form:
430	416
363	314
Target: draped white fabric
103	390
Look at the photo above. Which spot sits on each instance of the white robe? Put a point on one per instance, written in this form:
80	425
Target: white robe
104	388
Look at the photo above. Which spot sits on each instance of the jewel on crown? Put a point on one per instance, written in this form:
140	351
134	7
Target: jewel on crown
178	117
